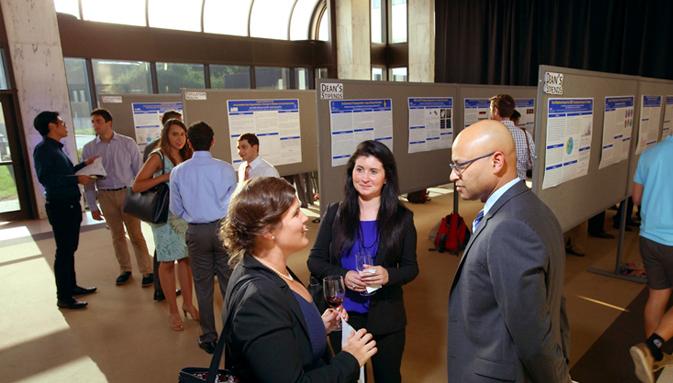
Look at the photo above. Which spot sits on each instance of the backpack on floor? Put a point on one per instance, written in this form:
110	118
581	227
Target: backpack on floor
452	235
420	196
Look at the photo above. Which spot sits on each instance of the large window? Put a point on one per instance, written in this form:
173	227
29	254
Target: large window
377	24
162	14
398	74
269	18
228	17
229	76
301	80
129	12
301	19
272	78
323	26
378	73
80	100
172	77
398	21
321	73
70	7
4	81
122	76
273	19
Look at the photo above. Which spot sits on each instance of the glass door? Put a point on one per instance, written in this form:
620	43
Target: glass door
14	193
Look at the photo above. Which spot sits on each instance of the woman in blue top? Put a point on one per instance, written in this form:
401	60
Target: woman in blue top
371	220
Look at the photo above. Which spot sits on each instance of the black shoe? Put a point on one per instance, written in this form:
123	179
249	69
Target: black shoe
159	295
148	280
78	290
602	235
208	346
123	278
572	251
71	303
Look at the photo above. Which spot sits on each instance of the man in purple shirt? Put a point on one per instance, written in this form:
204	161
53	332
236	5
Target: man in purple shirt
122	161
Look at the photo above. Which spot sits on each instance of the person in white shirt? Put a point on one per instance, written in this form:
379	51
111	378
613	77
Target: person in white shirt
253	165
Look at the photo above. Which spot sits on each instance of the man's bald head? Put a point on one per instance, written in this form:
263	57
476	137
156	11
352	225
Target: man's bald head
487	136
480	178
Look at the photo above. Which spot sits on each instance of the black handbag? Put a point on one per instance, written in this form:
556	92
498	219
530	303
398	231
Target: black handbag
208	375
150	205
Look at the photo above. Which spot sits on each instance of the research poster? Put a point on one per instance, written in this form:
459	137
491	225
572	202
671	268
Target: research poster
568	144
526	107
430	123
650	115
354	121
475	109
617	128
668	117
276	124
147	120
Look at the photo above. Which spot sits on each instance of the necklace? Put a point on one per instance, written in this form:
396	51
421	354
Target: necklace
286	276
363	245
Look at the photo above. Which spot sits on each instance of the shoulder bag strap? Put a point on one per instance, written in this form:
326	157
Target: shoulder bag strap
529	162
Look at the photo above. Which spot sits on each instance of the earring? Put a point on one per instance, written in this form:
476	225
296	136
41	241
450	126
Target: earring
273	237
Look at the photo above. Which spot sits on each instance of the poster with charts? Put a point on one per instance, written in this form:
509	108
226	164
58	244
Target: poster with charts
274	121
568	141
430	123
475	109
354	121
526	107
667	130
617	128
147	120
650	117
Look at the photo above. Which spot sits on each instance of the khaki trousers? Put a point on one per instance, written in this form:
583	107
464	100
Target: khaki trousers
111	204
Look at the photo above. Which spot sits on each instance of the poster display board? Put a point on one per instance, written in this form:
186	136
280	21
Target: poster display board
430	123
274	121
667	129
475	109
650	117
526	107
357	120
617	127
568	139
147	119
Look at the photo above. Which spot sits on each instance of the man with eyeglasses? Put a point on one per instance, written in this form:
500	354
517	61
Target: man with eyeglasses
506	309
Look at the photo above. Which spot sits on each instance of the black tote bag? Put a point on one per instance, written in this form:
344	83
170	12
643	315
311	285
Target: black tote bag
151	205
208	375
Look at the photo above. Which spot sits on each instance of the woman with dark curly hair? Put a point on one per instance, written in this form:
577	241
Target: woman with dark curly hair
273	330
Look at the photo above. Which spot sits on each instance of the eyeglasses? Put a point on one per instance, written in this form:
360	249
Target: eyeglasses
459	167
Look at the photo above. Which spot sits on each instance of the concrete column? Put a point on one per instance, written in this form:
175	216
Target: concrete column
353	40
421	40
39	72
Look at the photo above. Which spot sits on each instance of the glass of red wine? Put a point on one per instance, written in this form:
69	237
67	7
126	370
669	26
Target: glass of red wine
334	290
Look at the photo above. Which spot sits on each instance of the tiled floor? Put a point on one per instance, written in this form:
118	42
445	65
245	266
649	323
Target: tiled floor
124	336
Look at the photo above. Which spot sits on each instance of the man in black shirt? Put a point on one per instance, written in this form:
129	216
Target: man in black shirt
56	173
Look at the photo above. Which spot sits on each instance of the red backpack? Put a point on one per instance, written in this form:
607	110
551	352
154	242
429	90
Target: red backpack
452	235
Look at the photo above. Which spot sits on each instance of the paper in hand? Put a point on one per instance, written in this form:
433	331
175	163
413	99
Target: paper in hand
371	289
95	169
346	331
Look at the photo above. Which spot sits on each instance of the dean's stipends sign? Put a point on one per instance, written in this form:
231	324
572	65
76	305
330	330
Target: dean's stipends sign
553	83
331	91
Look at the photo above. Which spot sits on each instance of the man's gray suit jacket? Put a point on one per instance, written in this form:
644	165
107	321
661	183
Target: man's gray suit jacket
506	307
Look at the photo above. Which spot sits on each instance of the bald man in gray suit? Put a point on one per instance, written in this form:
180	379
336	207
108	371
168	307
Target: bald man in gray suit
506	312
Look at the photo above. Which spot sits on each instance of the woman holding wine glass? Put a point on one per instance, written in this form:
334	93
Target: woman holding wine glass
370	222
272	329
